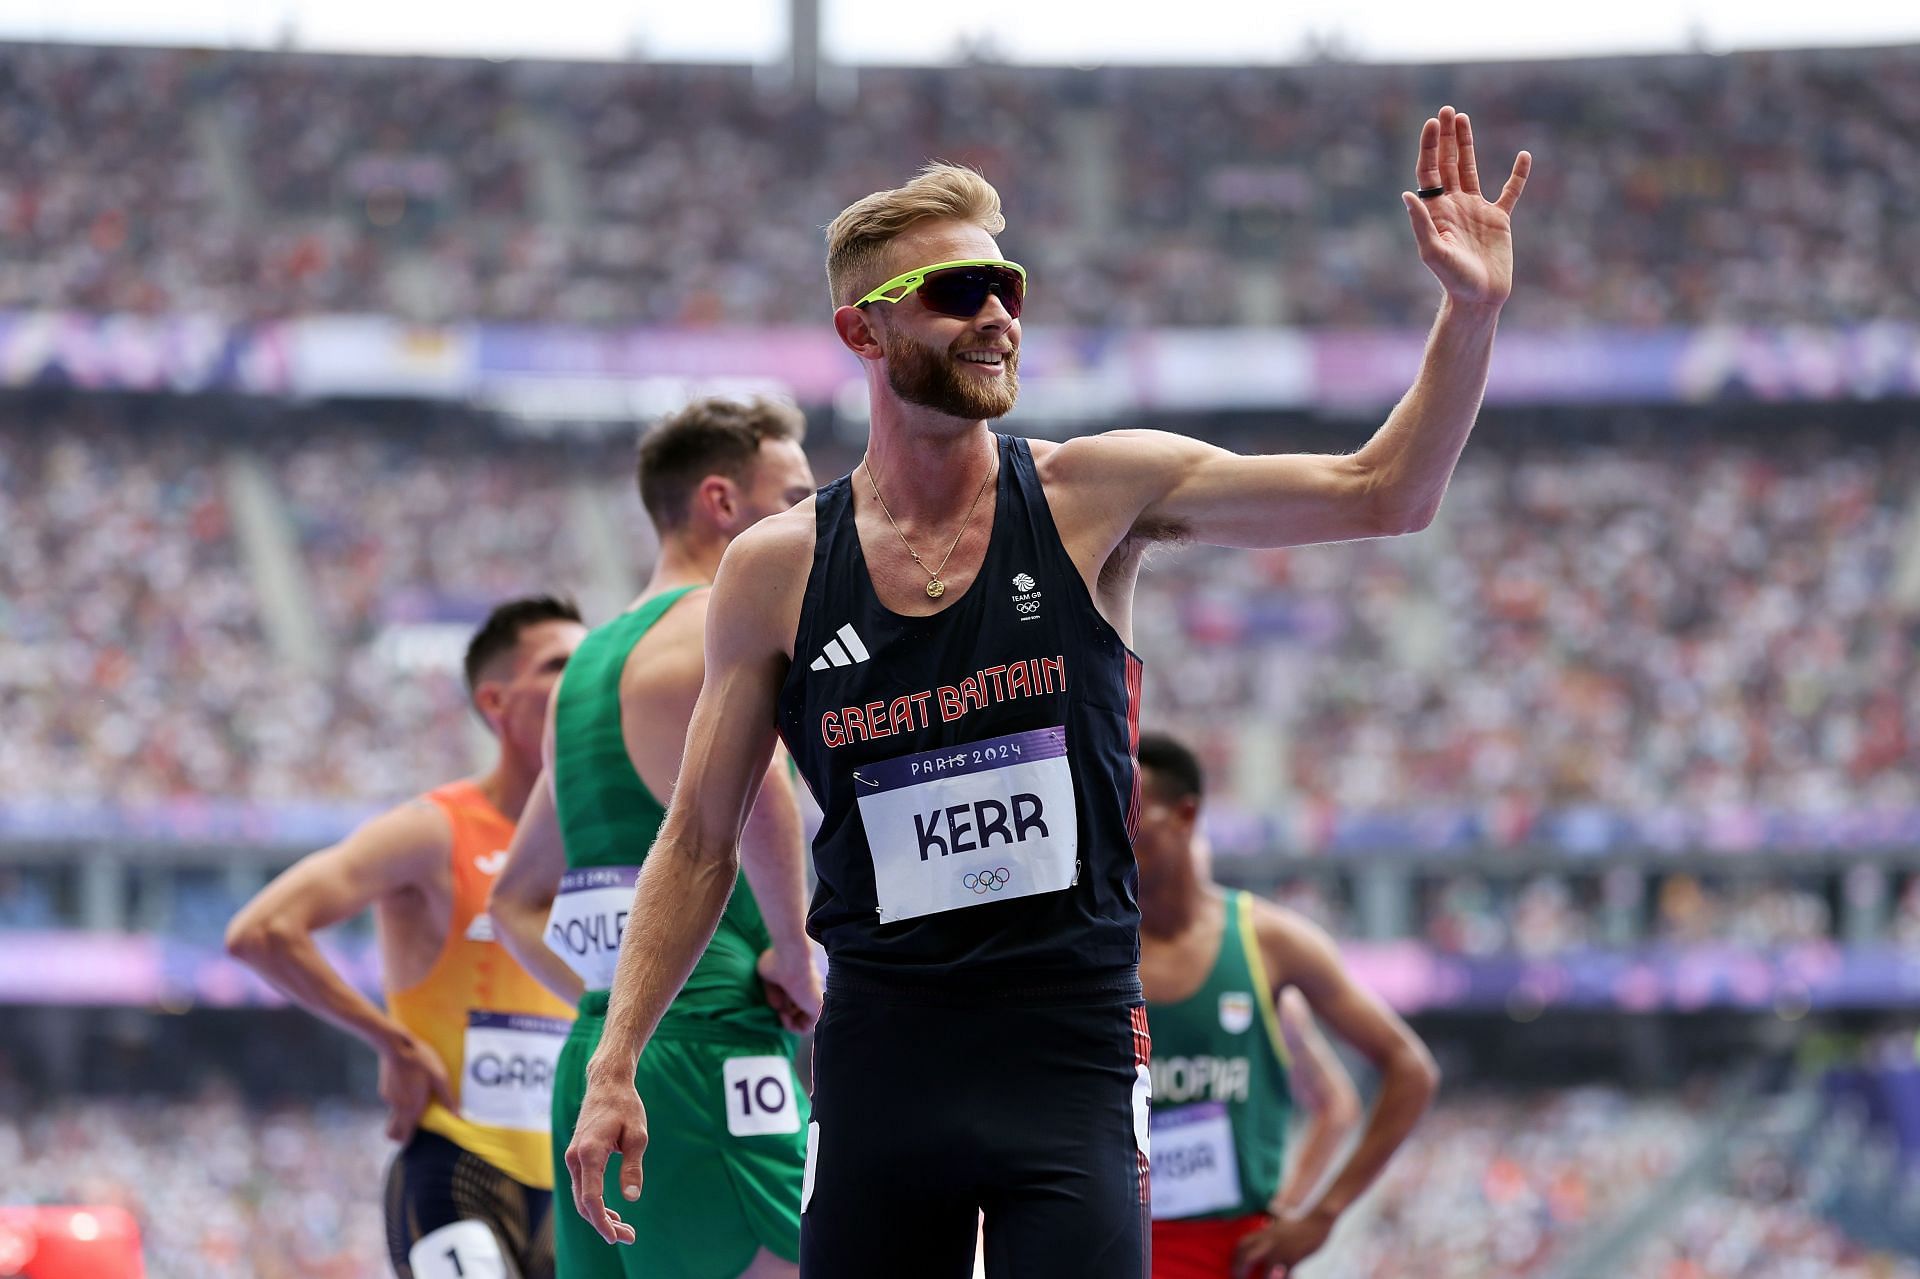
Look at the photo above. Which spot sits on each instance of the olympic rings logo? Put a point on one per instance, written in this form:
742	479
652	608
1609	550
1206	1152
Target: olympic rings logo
987	881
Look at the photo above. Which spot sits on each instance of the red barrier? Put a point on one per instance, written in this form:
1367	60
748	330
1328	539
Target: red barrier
69	1243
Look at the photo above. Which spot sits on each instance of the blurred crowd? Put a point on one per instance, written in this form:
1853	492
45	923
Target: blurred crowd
1709	627
1775	1208
135	663
1499	1187
1548	914
1760	1227
1755	187
1489	1187
220	1190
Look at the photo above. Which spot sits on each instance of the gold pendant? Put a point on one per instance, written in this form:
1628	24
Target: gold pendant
936	588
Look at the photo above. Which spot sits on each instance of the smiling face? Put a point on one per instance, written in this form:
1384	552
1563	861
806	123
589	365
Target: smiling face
962	368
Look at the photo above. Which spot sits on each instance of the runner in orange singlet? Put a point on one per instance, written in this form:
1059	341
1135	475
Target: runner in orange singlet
467	1040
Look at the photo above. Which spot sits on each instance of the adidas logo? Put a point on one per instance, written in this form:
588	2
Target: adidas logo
492	862
845	649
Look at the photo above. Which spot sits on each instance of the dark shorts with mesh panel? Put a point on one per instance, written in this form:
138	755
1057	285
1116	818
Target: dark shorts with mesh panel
433	1183
927	1112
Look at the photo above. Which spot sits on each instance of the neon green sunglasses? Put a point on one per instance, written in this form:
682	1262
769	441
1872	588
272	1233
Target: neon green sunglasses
958	289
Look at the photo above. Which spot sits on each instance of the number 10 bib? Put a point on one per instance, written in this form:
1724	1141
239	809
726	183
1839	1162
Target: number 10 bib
970	824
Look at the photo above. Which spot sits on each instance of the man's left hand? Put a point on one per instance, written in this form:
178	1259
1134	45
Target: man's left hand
1269	1252
1465	239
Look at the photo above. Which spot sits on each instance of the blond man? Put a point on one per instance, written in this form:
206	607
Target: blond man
941	640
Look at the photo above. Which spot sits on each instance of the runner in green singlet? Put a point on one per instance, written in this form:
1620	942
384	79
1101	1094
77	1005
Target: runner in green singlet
726	1147
1232	984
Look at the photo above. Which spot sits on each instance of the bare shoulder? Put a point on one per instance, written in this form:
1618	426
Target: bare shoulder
1285	932
417	822
406	845
777	546
762	581
1109	455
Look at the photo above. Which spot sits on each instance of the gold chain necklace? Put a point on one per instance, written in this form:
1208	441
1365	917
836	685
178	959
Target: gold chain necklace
935	587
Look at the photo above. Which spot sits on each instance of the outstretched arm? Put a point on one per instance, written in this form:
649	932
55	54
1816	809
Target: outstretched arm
1167	486
1328	1103
690	871
273	935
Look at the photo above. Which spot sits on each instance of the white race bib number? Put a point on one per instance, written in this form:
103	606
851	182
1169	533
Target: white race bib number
506	1078
760	1096
589	917
983	822
1194	1169
461	1250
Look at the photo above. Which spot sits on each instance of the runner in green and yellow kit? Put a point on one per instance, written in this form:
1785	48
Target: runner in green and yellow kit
1232	983
726	1147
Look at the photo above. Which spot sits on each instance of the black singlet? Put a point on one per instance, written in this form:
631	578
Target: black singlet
965	732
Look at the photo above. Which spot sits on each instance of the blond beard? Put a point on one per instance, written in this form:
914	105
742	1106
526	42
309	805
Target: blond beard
920	375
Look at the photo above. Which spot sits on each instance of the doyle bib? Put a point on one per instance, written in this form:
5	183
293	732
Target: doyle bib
588	919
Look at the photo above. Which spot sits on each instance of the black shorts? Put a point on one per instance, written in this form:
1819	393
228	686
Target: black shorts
434	1183
1032	1111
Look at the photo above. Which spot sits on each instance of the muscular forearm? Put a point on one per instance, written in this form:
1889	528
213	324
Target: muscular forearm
292	964
521	928
677	904
1412	456
1407	1084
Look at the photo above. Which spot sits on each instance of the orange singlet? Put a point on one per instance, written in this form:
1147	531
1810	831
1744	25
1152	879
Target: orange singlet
496	1029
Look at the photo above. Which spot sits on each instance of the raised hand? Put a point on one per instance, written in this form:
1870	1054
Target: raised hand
1465	239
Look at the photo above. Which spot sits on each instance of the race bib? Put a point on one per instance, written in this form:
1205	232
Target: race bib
459	1250
507	1074
1194	1169
760	1096
986	821
589	917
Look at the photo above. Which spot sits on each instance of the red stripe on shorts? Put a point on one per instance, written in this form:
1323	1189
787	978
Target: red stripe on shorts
1142	1057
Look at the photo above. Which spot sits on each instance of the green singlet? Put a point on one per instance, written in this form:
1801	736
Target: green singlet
1221	1096
725	1113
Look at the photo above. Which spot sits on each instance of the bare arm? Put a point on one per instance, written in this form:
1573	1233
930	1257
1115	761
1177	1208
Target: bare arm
773	852
1327	1100
690	871
273	933
1157	485
1408	1081
523	893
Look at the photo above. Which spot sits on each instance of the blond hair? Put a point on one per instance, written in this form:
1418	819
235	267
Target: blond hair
859	236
